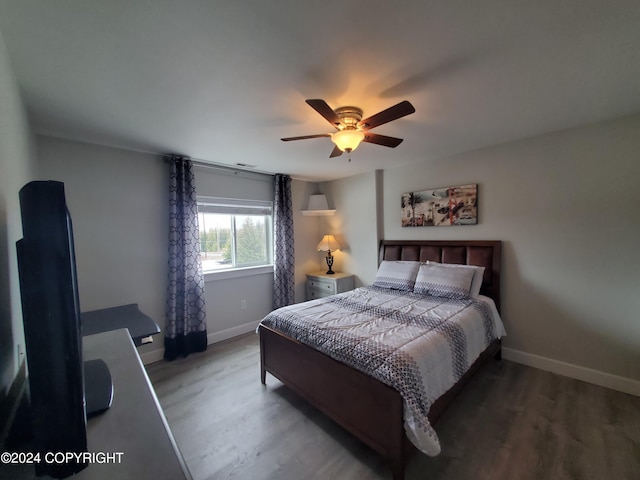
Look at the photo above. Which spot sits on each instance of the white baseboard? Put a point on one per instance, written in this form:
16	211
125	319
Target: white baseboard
596	377
215	337
152	356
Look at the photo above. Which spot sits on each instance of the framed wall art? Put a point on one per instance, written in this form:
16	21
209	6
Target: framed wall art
441	206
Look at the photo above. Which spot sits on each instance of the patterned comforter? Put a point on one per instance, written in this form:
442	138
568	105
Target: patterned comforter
418	344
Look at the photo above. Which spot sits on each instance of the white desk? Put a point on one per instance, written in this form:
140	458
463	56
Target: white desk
135	424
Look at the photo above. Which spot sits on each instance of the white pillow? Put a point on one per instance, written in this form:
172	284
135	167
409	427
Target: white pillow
397	275
443	281
478	276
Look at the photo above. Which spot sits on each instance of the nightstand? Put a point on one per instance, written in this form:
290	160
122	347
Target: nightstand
319	284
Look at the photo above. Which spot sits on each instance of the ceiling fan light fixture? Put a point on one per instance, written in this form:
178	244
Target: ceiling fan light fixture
351	127
347	140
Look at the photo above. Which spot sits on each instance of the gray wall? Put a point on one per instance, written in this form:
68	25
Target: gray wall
307	234
118	202
17	167
225	295
566	207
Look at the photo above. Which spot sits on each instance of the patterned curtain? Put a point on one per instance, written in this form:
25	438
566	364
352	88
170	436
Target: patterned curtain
185	329
283	259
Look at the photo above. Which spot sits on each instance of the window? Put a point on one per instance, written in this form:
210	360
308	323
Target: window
234	233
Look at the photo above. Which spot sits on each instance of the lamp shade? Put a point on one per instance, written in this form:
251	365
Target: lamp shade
328	243
348	139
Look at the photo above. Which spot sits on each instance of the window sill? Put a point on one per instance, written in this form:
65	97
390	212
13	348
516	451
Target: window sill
237	273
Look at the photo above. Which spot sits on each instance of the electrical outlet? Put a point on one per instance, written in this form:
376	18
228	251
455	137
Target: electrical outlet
243	303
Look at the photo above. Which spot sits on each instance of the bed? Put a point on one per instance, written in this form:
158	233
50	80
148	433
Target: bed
369	407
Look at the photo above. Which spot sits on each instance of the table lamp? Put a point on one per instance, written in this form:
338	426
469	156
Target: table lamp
327	244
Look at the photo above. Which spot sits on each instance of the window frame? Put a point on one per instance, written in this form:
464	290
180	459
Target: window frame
234	208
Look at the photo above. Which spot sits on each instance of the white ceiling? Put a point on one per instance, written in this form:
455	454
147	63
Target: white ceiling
223	81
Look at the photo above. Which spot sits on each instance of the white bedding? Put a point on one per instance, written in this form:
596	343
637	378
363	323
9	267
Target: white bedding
418	344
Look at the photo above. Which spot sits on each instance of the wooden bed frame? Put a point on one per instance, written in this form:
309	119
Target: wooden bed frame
367	408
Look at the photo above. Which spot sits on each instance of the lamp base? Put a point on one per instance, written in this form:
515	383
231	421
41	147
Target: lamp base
329	259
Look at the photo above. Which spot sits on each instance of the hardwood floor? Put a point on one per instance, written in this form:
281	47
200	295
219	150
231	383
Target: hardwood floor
511	422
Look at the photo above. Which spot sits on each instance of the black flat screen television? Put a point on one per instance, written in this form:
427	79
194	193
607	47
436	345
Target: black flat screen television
52	327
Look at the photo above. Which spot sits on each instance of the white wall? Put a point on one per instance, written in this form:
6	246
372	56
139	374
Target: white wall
566	205
355	224
17	167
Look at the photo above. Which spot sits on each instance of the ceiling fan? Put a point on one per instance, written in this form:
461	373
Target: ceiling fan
351	129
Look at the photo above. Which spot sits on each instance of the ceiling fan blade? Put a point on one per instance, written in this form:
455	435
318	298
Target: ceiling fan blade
325	110
305	137
392	113
382	140
336	152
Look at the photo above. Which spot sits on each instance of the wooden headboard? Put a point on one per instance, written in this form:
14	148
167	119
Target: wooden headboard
483	253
